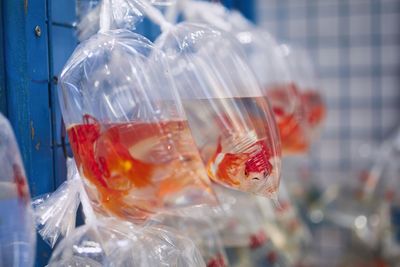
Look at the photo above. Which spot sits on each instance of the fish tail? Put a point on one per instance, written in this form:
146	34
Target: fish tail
142	172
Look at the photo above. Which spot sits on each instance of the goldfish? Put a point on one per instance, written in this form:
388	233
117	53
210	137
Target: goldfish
290	116
20	182
258	239
237	169
217	261
137	167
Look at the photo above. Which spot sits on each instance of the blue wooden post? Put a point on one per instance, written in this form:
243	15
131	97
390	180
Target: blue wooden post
27	80
3	92
246	7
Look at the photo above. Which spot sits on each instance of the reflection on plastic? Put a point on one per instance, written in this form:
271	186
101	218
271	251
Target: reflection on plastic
201	231
110	242
127	129
17	235
237	137
268	62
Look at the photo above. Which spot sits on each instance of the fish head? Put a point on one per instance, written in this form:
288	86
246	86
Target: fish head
257	166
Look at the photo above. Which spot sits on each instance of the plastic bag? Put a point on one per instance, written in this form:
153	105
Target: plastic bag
286	228
242	229
111	242
55	213
106	241
303	73
17	233
127	129
121	14
201	230
240	222
267	60
231	123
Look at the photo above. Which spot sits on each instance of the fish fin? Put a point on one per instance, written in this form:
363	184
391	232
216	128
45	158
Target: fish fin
218	151
212	160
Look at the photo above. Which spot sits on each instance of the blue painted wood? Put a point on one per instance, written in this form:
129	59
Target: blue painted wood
247	8
3	91
228	3
28	102
26	61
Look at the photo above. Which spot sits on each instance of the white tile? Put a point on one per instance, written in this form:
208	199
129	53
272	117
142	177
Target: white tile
360	25
360	87
361	118
330	87
269	26
265	4
361	149
360	56
391	92
297	28
296	3
390	24
330	150
390	55
330	7
328	57
390	86
328	26
297	11
333	121
359	7
386	2
390	118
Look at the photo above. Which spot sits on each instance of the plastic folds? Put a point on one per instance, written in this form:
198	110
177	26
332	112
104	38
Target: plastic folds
232	124
17	234
55	213
201	230
121	14
110	242
268	62
303	72
127	129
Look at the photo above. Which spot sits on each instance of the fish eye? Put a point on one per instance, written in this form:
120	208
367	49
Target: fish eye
265	174
246	173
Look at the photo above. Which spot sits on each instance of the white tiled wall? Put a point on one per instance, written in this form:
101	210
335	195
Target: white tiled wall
356	48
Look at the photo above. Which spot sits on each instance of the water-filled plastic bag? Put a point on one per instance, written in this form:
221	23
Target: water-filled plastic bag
17	233
127	129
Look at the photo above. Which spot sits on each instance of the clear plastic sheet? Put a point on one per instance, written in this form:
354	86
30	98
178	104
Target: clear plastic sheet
304	75
371	207
245	232
17	233
110	242
232	124
122	14
240	221
285	226
269	64
55	213
201	230
127	128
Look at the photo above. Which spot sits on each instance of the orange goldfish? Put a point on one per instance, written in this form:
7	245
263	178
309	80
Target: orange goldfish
133	166
234	169
20	182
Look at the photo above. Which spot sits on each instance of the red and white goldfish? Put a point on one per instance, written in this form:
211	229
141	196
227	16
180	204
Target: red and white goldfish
248	170
138	167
